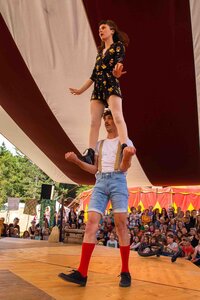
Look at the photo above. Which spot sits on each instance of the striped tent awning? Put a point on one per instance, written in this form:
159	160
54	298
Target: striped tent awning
48	46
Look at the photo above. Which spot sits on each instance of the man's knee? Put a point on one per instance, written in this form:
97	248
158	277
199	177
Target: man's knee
92	225
121	225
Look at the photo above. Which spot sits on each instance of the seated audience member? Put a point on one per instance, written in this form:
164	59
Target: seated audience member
172	225
72	216
186	220
196	255
193	218
179	234
151	228
32	229
139	213
4	228
163	228
80	218
186	247
135	244
37	235
112	242
144	244
101	240
156	217
26	235
172	247
13	232
151	212
15	224
171	214
110	224
194	237
180	216
133	218
197	223
146	219
184	231
157	234
163	216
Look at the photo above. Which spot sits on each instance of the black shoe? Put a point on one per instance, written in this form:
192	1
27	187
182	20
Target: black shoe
75	277
176	255
122	147
88	157
125	279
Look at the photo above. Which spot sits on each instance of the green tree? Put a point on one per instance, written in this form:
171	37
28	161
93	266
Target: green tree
20	177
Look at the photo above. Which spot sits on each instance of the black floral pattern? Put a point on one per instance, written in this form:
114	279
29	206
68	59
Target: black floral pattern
105	84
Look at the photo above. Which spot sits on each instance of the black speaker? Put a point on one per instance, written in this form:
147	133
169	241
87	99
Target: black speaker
47	191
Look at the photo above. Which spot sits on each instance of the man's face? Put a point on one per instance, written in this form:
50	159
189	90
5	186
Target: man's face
109	123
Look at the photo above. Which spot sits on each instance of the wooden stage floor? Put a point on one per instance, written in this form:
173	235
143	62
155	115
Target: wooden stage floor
28	270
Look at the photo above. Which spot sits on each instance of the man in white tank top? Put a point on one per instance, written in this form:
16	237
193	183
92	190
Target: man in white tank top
110	169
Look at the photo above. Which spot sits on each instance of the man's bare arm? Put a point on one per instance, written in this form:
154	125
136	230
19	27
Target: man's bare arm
128	153
73	158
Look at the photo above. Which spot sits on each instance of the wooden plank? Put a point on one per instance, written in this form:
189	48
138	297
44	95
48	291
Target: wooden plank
152	277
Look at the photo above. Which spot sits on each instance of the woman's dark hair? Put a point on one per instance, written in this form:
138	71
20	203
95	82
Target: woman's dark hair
117	36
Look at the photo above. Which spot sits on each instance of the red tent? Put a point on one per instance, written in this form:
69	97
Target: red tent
188	198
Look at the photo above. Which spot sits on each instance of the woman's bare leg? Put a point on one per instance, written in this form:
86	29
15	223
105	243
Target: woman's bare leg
115	105
96	111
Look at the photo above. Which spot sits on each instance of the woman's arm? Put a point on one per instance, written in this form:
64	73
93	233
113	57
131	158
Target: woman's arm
86	86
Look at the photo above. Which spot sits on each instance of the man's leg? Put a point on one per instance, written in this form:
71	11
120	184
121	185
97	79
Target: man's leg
80	276
89	241
124	242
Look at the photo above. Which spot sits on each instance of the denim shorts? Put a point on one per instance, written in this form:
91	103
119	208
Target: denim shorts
109	186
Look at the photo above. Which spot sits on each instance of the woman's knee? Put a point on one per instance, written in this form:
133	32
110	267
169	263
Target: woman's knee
95	122
118	118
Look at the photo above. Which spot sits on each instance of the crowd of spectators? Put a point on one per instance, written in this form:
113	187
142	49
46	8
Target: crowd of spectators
177	232
34	232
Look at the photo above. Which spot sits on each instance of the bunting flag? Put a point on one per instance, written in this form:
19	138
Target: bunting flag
30	207
13	203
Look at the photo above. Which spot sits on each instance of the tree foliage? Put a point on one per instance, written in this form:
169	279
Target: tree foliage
20	177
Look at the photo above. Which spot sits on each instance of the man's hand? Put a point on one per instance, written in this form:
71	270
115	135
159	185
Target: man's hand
71	157
128	153
117	71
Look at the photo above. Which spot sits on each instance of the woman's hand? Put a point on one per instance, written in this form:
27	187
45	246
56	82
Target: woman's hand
75	91
118	70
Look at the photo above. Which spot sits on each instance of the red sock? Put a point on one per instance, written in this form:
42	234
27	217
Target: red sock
87	249
125	250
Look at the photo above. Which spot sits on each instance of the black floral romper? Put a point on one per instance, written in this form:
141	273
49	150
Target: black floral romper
105	84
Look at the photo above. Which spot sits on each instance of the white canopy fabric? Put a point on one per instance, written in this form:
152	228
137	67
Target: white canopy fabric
58	49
